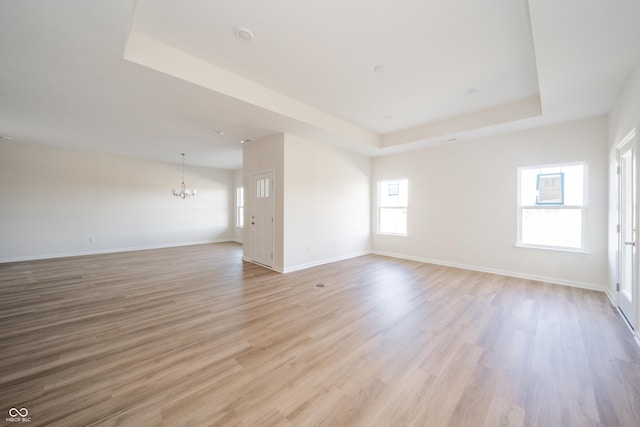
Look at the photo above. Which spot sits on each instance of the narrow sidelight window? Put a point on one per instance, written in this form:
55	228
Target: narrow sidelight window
240	207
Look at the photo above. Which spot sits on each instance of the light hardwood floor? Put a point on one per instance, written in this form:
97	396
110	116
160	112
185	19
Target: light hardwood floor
195	337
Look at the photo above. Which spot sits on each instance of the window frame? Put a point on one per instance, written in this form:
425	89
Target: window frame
379	185
240	207
584	247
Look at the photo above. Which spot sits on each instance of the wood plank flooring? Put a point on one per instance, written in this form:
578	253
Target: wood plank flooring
195	337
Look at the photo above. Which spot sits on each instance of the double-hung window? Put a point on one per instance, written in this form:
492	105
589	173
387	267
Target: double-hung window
552	206
392	206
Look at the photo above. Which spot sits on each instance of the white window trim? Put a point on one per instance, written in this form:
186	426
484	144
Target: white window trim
378	207
239	205
584	249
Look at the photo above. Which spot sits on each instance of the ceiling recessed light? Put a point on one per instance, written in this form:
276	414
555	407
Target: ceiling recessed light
218	132
244	34
244	141
379	69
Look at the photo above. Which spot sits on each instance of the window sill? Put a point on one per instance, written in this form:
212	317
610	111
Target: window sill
391	234
553	249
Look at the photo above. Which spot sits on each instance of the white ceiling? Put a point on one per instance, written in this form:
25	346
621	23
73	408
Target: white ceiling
151	79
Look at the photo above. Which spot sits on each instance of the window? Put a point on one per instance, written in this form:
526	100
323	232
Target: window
552	206
392	206
240	207
262	188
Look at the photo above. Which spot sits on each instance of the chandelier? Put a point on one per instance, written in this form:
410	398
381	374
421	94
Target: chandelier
184	192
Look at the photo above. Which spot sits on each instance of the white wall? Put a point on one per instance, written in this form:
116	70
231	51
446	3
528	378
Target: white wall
625	113
326	205
462	202
321	197
54	201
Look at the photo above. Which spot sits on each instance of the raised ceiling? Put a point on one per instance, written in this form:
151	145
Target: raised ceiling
150	79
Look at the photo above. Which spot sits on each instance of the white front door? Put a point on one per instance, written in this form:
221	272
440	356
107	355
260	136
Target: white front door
628	236
262	218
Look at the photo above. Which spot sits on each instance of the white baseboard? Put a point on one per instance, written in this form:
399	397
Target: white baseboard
546	279
275	268
299	267
607	290
109	251
614	304
325	261
612	299
634	334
